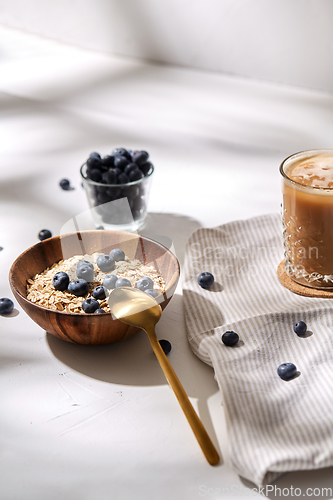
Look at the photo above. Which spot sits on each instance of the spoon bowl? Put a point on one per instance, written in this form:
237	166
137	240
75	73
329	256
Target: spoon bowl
137	308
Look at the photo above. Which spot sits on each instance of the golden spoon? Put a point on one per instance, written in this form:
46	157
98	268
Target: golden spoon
137	308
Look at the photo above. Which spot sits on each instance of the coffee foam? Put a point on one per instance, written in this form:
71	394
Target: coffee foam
316	171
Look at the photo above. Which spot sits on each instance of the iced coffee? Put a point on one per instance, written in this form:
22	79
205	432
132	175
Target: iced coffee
307	216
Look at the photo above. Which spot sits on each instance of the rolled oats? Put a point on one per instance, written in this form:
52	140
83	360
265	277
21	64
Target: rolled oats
40	289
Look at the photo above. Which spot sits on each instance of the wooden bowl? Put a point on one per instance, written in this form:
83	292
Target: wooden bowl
89	329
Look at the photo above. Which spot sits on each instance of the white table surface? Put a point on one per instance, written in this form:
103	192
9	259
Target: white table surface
101	422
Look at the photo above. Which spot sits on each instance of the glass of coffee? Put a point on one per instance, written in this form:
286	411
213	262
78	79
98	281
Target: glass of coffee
307	216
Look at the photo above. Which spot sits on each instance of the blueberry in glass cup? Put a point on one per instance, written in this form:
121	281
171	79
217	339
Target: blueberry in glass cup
117	188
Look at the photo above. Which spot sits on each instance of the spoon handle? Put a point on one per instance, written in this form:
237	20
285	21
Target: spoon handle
193	419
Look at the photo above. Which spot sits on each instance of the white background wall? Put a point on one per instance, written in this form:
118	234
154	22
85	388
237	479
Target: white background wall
287	41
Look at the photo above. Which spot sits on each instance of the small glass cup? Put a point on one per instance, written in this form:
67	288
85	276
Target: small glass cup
120	207
307	217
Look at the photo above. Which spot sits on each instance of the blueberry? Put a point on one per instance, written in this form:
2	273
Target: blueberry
105	178
108	161
114	193
105	263
123	178
205	280
65	184
85	263
123	282
100	292
99	311
145	167
230	338
94	161
145	284
166	346
110	281
129	167
6	305
137	203
120	161
95	175
300	328
112	175
135	175
121	152
152	292
85	272
140	157
60	281
131	191
90	305
44	234
117	254
287	371
78	287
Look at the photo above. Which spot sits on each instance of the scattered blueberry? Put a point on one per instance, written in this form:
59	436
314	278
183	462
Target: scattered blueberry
140	157
117	254
105	263
78	287
205	280
230	338
152	292
144	284
6	305
110	281
123	282
65	184
100	292
99	311
90	305
300	328
287	371
85	272
166	346
44	234
60	281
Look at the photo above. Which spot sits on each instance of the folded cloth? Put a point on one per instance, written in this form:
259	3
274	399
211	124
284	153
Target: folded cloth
274	426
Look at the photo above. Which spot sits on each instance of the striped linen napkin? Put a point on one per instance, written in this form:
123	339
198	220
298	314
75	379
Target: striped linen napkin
274	426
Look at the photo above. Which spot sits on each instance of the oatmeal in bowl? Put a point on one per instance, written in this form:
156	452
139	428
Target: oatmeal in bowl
63	282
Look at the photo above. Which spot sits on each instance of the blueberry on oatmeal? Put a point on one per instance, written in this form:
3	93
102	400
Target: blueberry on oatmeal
90	305
78	287
85	272
144	284
60	281
105	263
117	254
100	292
110	281
123	282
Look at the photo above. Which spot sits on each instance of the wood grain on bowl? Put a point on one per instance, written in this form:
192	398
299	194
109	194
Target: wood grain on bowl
89	329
